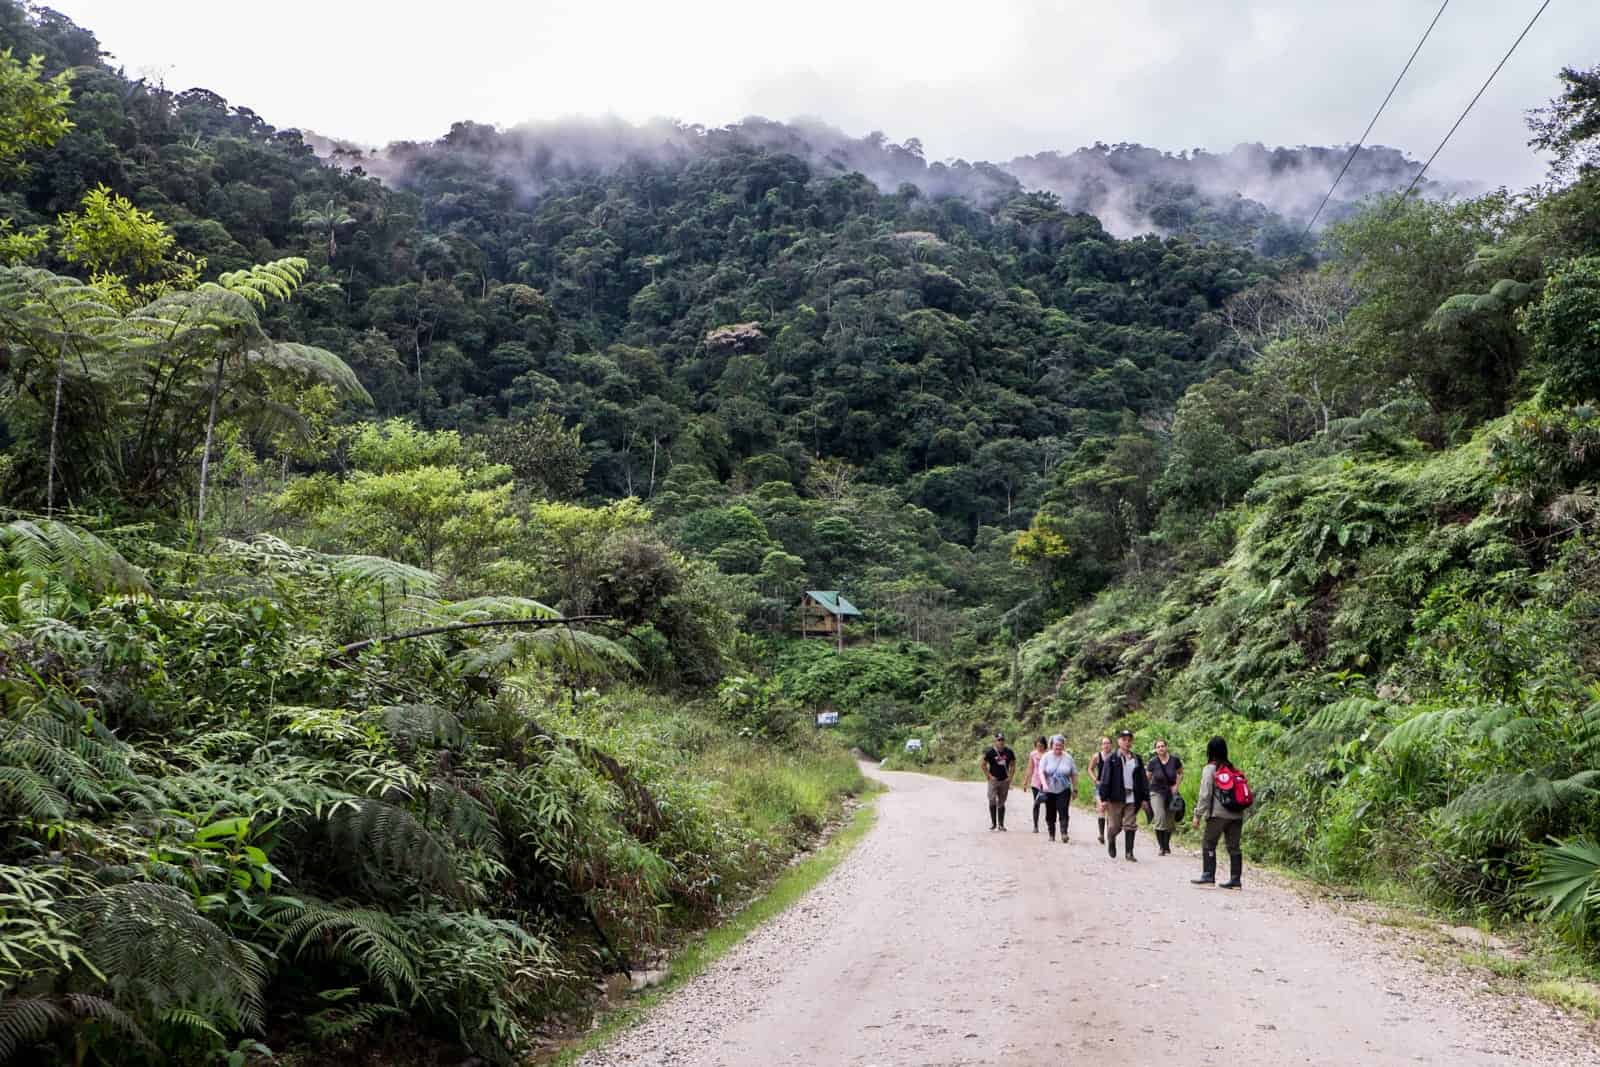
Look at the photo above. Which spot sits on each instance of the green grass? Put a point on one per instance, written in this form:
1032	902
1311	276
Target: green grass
1580	998
785	793
795	882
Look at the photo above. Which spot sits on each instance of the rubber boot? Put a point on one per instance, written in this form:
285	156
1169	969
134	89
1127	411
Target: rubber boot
1235	869
1208	868
1111	844
1002	810
993	825
1102	838
1127	846
1164	839
1052	834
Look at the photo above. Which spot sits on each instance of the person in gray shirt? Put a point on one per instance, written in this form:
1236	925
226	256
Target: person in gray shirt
1060	776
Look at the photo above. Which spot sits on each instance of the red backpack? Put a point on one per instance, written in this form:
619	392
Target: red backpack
1233	789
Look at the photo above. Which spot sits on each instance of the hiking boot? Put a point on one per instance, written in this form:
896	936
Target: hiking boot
1208	869
1235	868
1052	834
1063	839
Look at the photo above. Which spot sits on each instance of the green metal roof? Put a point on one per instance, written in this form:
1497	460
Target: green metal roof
830	599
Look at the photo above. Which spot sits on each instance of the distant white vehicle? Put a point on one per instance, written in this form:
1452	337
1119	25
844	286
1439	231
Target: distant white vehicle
913	744
827	718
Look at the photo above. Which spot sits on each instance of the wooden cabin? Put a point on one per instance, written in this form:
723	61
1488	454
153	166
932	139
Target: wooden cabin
823	612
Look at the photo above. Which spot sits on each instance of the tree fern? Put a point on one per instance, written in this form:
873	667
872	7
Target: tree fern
57	329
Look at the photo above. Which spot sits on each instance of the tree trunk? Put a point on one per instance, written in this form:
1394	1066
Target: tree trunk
205	458
55	429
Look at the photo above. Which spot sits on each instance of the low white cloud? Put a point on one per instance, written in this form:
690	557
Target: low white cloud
977	81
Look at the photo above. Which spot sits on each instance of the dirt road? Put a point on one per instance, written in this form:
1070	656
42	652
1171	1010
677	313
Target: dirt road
938	942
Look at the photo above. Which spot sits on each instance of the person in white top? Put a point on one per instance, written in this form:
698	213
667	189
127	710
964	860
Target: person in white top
1060	776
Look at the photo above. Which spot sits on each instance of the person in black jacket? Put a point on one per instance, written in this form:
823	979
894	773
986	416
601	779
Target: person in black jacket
1125	789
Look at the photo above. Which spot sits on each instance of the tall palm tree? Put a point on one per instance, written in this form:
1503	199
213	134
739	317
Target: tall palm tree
327	220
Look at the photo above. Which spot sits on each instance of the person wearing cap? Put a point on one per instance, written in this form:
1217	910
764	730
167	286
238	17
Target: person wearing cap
1125	789
998	763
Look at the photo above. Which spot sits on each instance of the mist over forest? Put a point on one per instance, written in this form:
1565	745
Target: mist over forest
1251	192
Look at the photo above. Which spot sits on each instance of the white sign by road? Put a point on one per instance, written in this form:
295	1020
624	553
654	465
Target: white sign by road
827	718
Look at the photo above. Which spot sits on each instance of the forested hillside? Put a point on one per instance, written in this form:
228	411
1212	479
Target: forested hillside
400	551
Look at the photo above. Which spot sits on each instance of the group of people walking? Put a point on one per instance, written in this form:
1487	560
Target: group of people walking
1124	785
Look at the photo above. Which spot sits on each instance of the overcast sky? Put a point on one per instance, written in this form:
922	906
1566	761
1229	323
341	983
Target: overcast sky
977	80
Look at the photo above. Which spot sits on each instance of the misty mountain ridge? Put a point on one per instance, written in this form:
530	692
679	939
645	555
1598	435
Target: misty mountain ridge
1251	194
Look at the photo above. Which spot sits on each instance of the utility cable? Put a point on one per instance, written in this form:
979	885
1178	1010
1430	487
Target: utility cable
1474	101
1351	158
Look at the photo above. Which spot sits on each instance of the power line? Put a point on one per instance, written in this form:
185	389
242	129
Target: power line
1351	158
1474	101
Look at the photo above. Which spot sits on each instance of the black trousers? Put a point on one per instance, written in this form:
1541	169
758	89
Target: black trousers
1057	805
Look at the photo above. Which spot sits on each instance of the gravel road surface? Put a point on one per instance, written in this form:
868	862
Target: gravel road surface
938	942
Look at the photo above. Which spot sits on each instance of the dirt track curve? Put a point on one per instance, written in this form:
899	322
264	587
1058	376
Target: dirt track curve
938	942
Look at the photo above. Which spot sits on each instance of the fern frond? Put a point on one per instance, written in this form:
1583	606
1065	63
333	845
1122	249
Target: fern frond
1335	723
480	608
160	954
54	316
310	363
394	840
28	1021
1512	799
411	723
331	1023
467	818
357	937
277	279
556	646
24	792
45	549
196	320
392	577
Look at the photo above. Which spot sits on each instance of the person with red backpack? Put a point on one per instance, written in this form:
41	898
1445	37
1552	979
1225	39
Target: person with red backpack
1224	797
